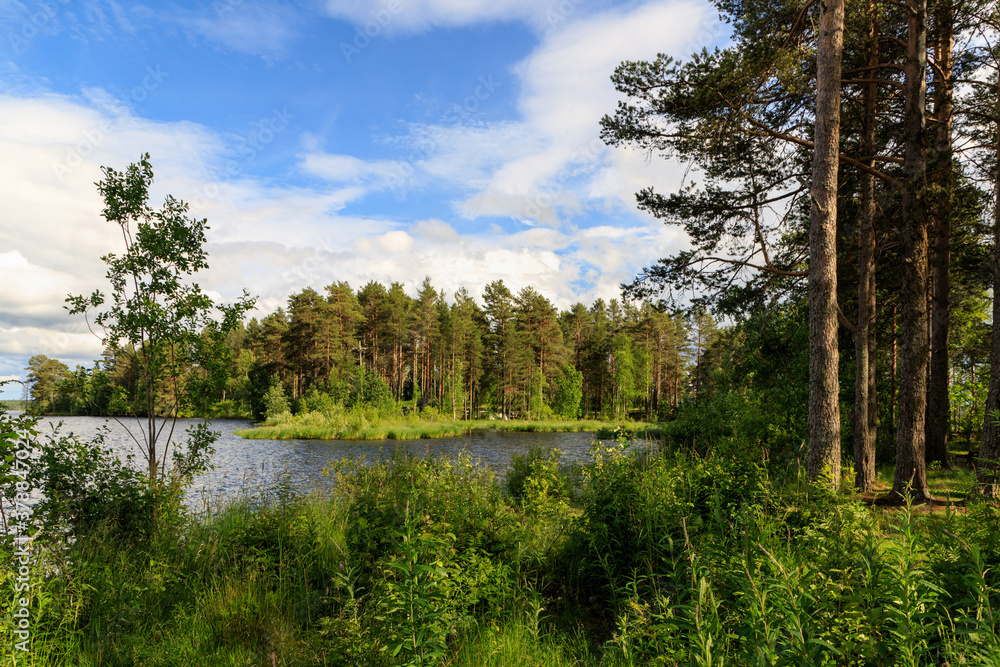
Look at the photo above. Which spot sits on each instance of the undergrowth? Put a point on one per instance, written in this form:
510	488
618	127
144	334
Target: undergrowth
651	557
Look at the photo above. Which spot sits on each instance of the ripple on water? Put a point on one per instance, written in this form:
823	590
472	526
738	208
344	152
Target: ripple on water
247	465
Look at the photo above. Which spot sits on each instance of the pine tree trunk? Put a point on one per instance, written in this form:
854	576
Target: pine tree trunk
864	336
823	455
940	172
989	446
911	470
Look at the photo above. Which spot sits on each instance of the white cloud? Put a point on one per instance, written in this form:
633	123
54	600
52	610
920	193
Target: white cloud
376	174
566	90
547	167
376	17
255	28
435	231
24	342
33	292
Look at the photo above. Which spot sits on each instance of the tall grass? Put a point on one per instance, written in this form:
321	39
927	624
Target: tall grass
371	425
660	558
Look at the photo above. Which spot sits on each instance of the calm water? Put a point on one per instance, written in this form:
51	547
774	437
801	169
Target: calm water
242	465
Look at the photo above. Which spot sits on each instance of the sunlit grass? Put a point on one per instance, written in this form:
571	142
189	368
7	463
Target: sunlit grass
315	426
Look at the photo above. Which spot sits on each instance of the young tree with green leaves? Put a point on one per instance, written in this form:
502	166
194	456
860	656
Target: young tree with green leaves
154	313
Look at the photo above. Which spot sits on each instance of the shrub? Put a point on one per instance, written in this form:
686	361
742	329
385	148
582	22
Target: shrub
534	478
275	401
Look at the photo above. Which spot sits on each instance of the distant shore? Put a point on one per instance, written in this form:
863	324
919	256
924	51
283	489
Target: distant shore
315	427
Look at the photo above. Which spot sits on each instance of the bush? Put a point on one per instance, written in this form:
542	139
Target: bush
315	400
86	483
534	478
431	538
371	390
640	509
569	393
275	401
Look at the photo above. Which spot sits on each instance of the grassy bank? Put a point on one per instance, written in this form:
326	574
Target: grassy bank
370	425
658	558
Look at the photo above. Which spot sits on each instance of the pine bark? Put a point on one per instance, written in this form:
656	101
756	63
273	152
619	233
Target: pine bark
823	455
989	445
864	336
941	169
911	470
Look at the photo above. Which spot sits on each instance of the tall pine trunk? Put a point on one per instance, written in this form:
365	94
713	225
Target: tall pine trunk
823	456
940	172
989	446
911	469
864	335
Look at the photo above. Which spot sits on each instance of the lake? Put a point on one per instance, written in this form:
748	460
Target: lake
248	465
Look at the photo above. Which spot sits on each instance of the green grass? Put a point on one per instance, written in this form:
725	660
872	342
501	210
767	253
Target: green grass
664	558
360	426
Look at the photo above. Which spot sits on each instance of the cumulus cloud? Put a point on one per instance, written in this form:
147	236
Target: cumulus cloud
435	231
78	347
31	293
544	167
566	90
549	165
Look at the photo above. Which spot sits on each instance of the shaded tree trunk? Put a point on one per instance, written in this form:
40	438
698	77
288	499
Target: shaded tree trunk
911	470
989	445
823	455
864	335
941	173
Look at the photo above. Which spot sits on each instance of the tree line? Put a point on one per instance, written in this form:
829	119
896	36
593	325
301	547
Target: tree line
514	355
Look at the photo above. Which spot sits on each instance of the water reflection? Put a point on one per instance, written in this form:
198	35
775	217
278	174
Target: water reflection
245	465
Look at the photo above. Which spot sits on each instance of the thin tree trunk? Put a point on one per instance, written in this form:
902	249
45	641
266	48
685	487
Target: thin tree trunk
989	445
911	470
823	454
941	173
894	388
864	336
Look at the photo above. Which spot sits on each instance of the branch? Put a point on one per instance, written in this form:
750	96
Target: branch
844	321
868	68
882	176
882	82
767	268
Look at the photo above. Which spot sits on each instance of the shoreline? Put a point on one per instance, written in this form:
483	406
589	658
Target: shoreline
417	429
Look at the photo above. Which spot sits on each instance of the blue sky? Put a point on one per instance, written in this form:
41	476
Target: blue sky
356	140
